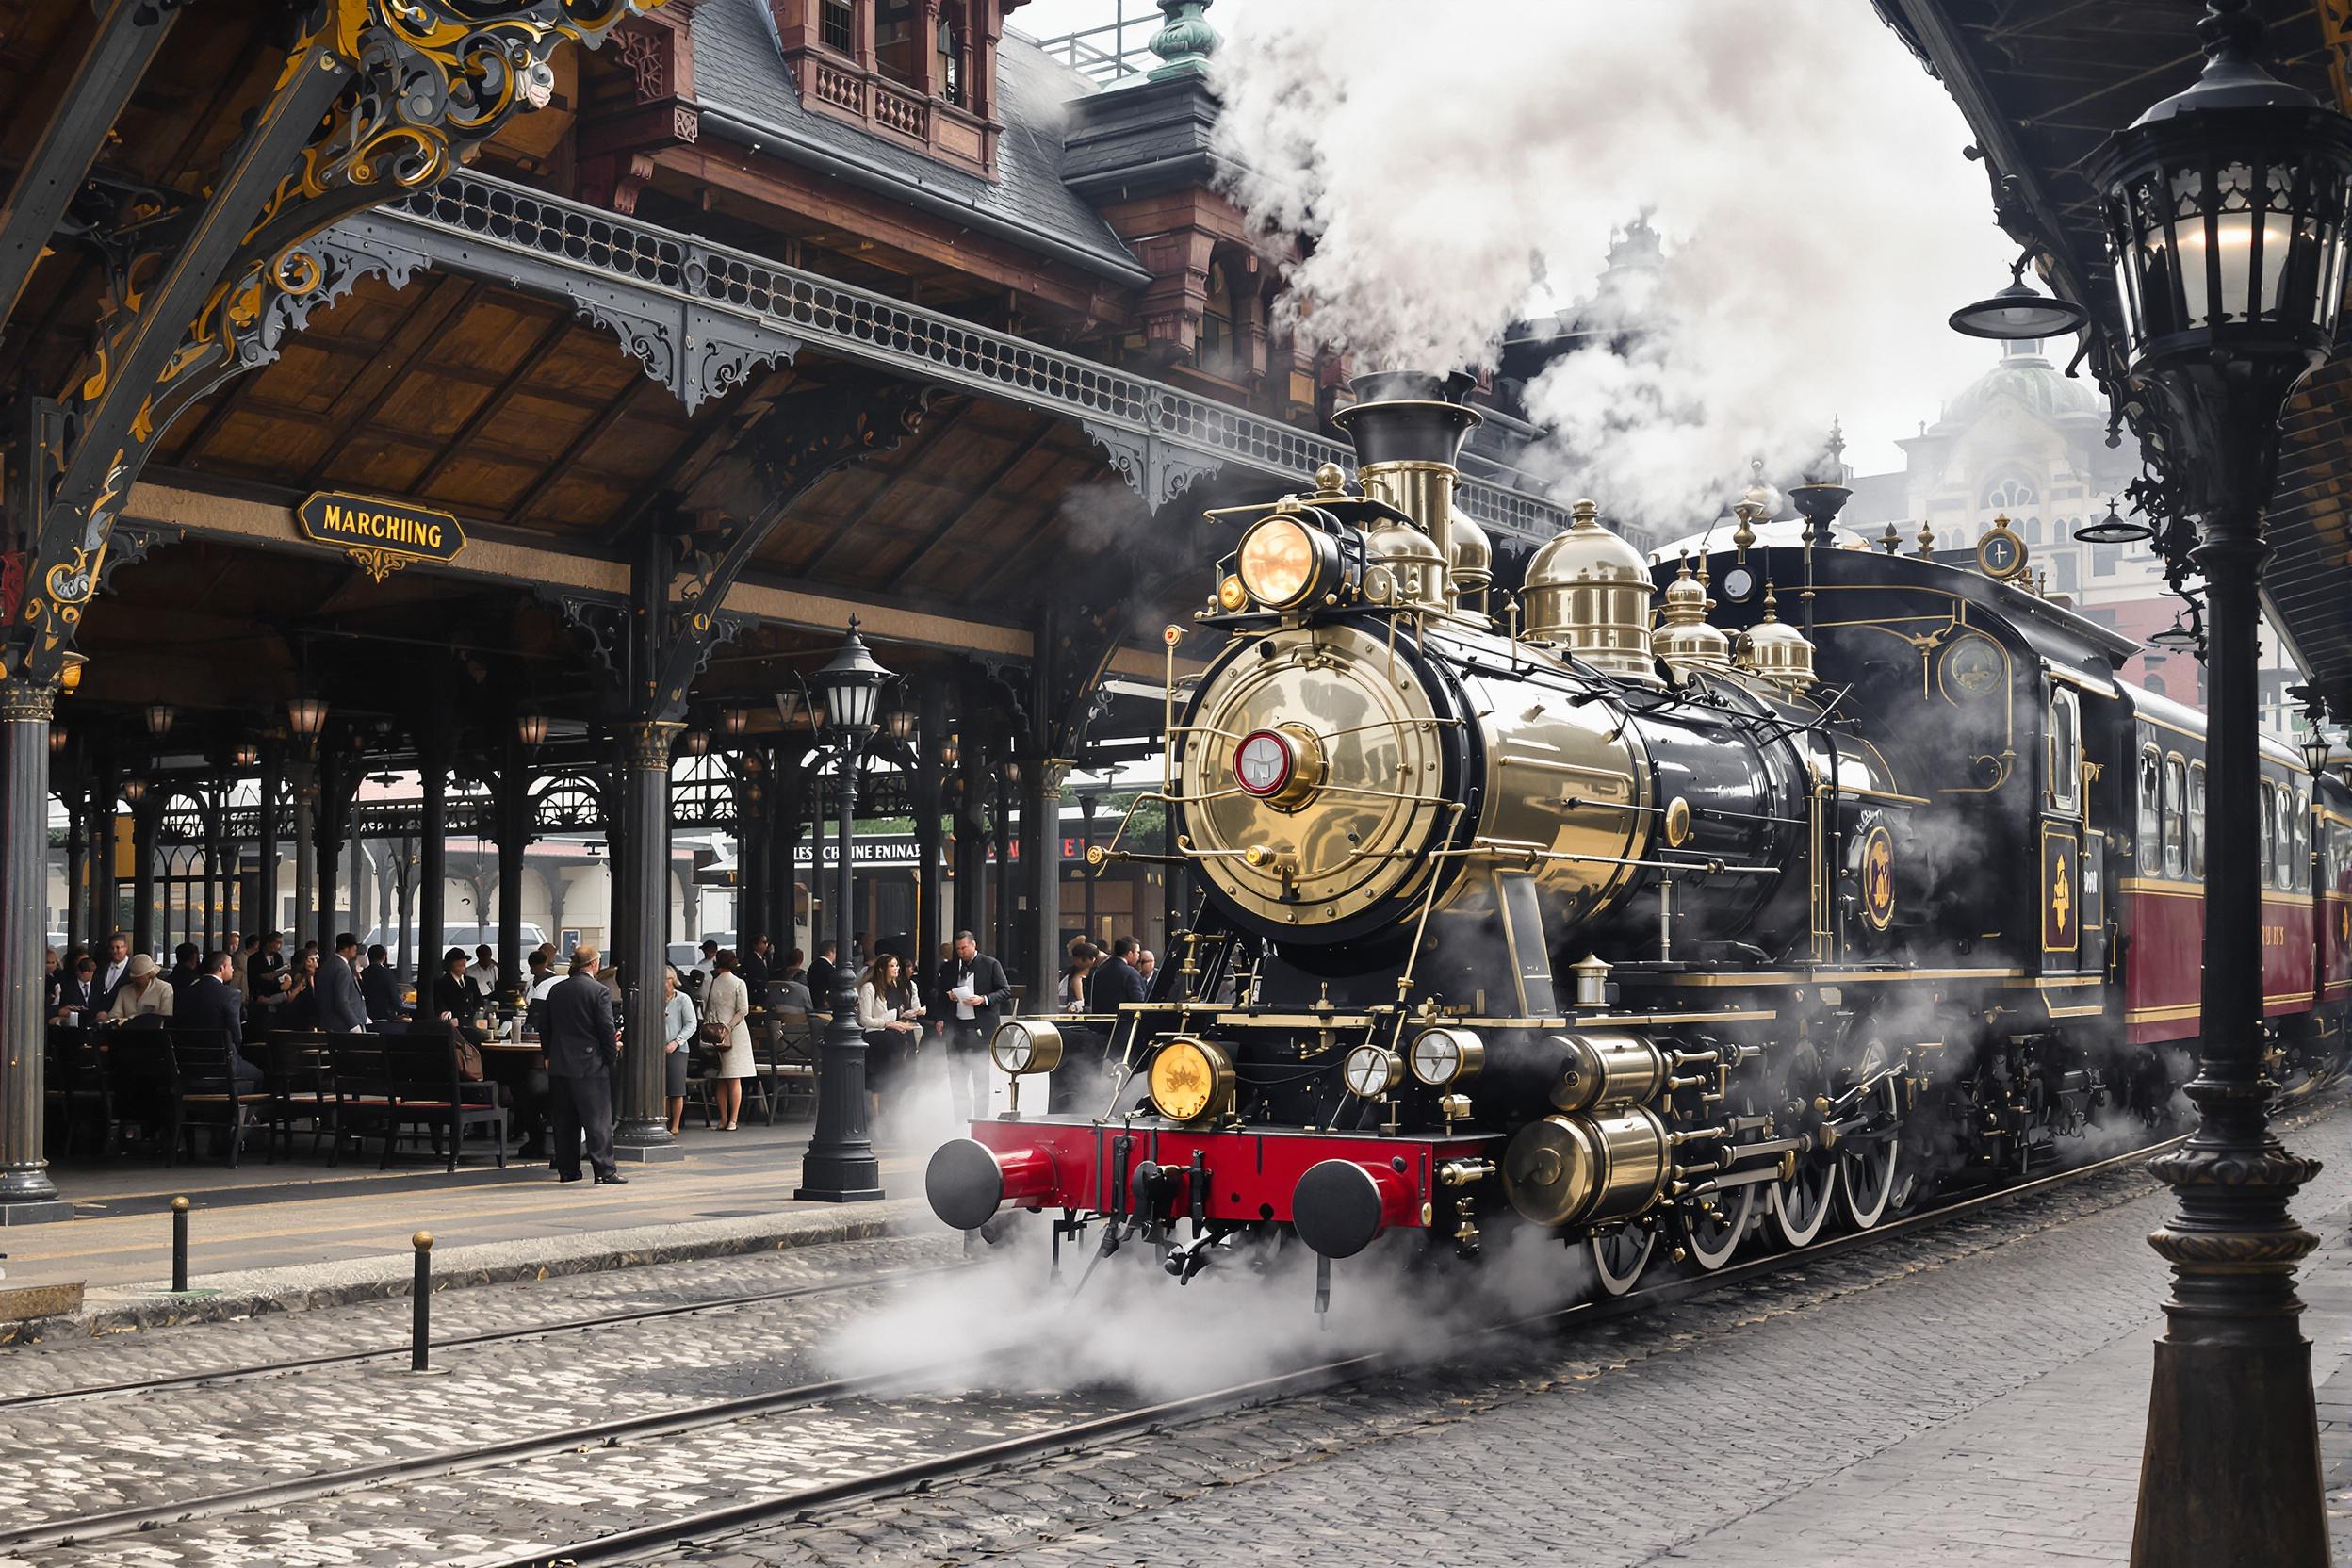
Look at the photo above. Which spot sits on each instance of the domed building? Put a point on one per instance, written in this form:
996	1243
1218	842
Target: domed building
2029	442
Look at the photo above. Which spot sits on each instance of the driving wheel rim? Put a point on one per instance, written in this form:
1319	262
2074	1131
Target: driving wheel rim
1801	1205
1712	1239
1619	1258
1868	1174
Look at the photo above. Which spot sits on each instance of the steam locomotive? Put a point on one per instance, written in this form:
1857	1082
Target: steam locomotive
1656	907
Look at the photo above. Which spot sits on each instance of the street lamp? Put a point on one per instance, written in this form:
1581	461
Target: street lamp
248	754
2315	750
694	743
2020	313
900	722
735	721
951	751
159	719
134	790
307	717
2113	528
58	738
2225	208
532	729
840	1167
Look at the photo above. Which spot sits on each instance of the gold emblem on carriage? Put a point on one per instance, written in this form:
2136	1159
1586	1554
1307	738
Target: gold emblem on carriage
1878	878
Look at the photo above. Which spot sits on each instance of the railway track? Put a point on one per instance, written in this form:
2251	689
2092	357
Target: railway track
460	1341
841	1397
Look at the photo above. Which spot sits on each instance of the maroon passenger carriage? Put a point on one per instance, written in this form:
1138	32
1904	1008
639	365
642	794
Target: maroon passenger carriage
1656	909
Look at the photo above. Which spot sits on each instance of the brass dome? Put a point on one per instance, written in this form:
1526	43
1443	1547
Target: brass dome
1589	591
1684	638
1413	560
1775	653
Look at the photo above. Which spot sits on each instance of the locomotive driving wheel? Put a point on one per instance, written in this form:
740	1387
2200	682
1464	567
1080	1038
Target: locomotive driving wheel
1619	1257
1869	1170
1801	1205
1710	1236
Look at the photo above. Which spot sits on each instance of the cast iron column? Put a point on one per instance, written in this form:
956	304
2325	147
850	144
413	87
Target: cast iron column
840	1167
302	772
76	864
1003	938
641	863
1041	832
2232	1432
1087	804
923	795
754	904
514	842
103	914
27	1193
265	917
146	825
432	876
217	879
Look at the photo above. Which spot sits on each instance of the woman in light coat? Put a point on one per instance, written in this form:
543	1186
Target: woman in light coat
891	1016
729	1004
678	1028
143	990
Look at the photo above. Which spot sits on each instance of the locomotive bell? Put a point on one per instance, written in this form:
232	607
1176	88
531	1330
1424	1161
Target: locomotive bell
1409	428
1589	591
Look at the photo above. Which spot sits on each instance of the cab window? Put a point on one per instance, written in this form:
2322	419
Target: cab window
2196	819
2299	869
2176	816
2065	748
2150	795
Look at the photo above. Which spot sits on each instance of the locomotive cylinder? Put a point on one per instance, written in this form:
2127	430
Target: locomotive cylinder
1585	1169
1606	1068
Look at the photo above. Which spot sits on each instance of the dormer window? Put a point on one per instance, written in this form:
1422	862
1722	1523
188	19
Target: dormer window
919	71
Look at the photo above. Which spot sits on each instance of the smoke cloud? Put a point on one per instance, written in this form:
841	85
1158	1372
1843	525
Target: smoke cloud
1460	170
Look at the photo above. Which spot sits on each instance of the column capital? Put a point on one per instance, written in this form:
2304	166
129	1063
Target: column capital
24	701
650	742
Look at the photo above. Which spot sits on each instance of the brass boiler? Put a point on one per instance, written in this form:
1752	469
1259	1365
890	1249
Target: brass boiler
1422	761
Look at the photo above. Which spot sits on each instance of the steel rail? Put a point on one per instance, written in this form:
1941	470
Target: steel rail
678	1533
492	1336
616	1546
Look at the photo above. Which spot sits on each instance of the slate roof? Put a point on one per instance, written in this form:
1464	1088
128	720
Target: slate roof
740	77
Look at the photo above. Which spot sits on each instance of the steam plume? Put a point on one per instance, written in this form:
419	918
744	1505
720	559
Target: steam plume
1460	168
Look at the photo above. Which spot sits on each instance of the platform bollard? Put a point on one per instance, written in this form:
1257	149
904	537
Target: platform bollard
420	1330
179	1245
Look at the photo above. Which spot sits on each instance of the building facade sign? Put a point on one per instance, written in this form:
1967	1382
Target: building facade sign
381	535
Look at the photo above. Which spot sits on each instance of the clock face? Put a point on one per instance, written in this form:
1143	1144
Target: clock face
1739	584
1262	764
1972	669
2001	553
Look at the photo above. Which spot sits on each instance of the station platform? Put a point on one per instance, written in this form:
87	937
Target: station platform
300	1234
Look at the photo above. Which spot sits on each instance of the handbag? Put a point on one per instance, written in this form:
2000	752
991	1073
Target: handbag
711	1033
468	1060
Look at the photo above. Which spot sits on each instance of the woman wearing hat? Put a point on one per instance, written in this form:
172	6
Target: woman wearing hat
143	990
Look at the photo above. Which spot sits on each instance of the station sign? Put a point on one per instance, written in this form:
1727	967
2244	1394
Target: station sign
380	535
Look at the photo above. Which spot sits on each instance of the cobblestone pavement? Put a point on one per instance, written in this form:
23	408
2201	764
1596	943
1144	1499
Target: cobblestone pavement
1972	1393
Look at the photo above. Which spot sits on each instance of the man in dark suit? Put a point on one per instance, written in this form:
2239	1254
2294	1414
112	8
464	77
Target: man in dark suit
342	1010
112	969
756	958
977	995
380	987
820	974
266	980
579	1046
1115	979
211	1002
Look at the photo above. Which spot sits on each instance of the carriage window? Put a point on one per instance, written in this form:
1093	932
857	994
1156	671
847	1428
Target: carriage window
2176	816
2065	749
2270	829
2282	836
2299	866
2196	819
2151	788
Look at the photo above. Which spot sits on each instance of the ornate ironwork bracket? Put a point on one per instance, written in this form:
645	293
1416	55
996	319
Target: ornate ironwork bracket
1155	469
603	624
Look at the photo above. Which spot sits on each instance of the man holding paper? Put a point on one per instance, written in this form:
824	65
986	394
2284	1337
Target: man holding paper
974	993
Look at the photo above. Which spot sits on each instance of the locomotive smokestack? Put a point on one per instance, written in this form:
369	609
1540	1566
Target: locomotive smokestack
1409	426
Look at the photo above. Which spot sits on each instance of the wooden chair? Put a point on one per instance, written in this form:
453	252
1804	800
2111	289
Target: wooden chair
790	1056
298	1068
78	1088
145	1078
205	1064
397	1081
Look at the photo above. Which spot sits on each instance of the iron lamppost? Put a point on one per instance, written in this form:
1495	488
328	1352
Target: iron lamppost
2225	209
840	1167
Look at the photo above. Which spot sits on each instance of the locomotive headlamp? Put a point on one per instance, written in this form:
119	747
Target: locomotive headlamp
1283	562
1026	1045
1231	594
1442	1055
1191	1079
1370	1072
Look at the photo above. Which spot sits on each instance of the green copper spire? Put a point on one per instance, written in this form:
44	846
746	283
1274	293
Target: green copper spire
1185	42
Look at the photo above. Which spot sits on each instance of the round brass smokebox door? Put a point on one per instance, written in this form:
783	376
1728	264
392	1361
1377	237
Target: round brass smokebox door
1678	822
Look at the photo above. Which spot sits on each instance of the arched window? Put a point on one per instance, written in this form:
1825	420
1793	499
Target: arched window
2011	494
2156	684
